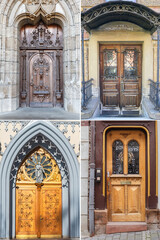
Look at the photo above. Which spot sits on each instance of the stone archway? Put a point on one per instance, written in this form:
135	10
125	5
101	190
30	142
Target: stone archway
50	138
65	14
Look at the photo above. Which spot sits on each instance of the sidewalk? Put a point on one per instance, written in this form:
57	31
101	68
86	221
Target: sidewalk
147	235
39	113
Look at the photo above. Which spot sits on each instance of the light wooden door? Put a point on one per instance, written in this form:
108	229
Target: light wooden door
38	211
120	76
39	203
126	175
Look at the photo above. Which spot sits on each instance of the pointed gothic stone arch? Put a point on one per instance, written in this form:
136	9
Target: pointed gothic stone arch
48	136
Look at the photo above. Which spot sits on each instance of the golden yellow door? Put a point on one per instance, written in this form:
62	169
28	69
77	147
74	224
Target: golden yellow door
39	204
126	175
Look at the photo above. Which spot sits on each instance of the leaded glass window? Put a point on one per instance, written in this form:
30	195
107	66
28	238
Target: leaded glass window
130	63
117	151
133	157
110	64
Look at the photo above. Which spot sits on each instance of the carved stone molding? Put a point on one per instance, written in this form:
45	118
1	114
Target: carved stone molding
45	6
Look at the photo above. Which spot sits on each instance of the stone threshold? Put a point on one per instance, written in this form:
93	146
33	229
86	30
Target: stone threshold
120	227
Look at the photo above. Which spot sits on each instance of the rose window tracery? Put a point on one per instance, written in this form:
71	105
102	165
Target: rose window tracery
39	167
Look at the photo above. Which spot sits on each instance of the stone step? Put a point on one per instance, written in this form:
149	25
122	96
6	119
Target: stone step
119	227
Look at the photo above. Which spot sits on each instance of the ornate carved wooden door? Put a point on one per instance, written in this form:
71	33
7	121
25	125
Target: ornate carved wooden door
120	78
41	76
126	175
39	197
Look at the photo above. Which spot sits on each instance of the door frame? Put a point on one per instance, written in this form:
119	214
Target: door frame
111	182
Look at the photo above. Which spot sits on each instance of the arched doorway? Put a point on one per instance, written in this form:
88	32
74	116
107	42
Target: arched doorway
41	75
126	166
45	135
39	197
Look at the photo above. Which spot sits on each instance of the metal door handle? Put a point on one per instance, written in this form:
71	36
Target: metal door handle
41	218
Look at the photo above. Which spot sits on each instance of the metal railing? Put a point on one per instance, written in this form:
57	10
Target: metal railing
154	94
86	92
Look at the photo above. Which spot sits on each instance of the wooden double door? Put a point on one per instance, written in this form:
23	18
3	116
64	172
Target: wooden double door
38	211
126	175
120	77
41	65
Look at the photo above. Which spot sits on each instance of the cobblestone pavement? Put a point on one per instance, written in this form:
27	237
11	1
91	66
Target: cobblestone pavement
146	235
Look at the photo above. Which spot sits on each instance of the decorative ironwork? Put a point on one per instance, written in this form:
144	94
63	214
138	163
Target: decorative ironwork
133	157
130	64
87	92
51	148
110	63
117	151
154	94
103	13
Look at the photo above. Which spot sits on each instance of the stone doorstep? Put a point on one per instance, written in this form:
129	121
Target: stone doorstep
120	227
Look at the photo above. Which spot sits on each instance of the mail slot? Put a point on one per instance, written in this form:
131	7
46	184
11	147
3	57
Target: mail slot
125	182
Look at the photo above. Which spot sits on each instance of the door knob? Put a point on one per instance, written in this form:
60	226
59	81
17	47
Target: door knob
41	218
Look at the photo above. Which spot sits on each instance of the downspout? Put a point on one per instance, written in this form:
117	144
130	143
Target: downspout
92	180
83	73
158	41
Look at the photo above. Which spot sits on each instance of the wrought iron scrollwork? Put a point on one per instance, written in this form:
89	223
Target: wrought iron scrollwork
117	151
130	64
133	157
110	63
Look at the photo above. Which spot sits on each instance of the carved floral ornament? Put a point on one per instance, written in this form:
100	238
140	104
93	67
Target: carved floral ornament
46	6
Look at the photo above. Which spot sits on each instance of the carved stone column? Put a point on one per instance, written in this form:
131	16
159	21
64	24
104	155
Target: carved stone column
23	74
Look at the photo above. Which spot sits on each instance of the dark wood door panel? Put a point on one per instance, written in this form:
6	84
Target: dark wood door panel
41	71
120	76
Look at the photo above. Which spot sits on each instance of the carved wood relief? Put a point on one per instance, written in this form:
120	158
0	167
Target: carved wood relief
41	73
39	203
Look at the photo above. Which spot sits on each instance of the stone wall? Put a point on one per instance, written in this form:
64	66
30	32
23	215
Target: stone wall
9	129
84	178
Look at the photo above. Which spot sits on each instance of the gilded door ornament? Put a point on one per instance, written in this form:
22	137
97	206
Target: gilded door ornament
25	166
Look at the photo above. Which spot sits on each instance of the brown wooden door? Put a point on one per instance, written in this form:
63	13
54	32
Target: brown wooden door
41	81
120	76
41	70
126	175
